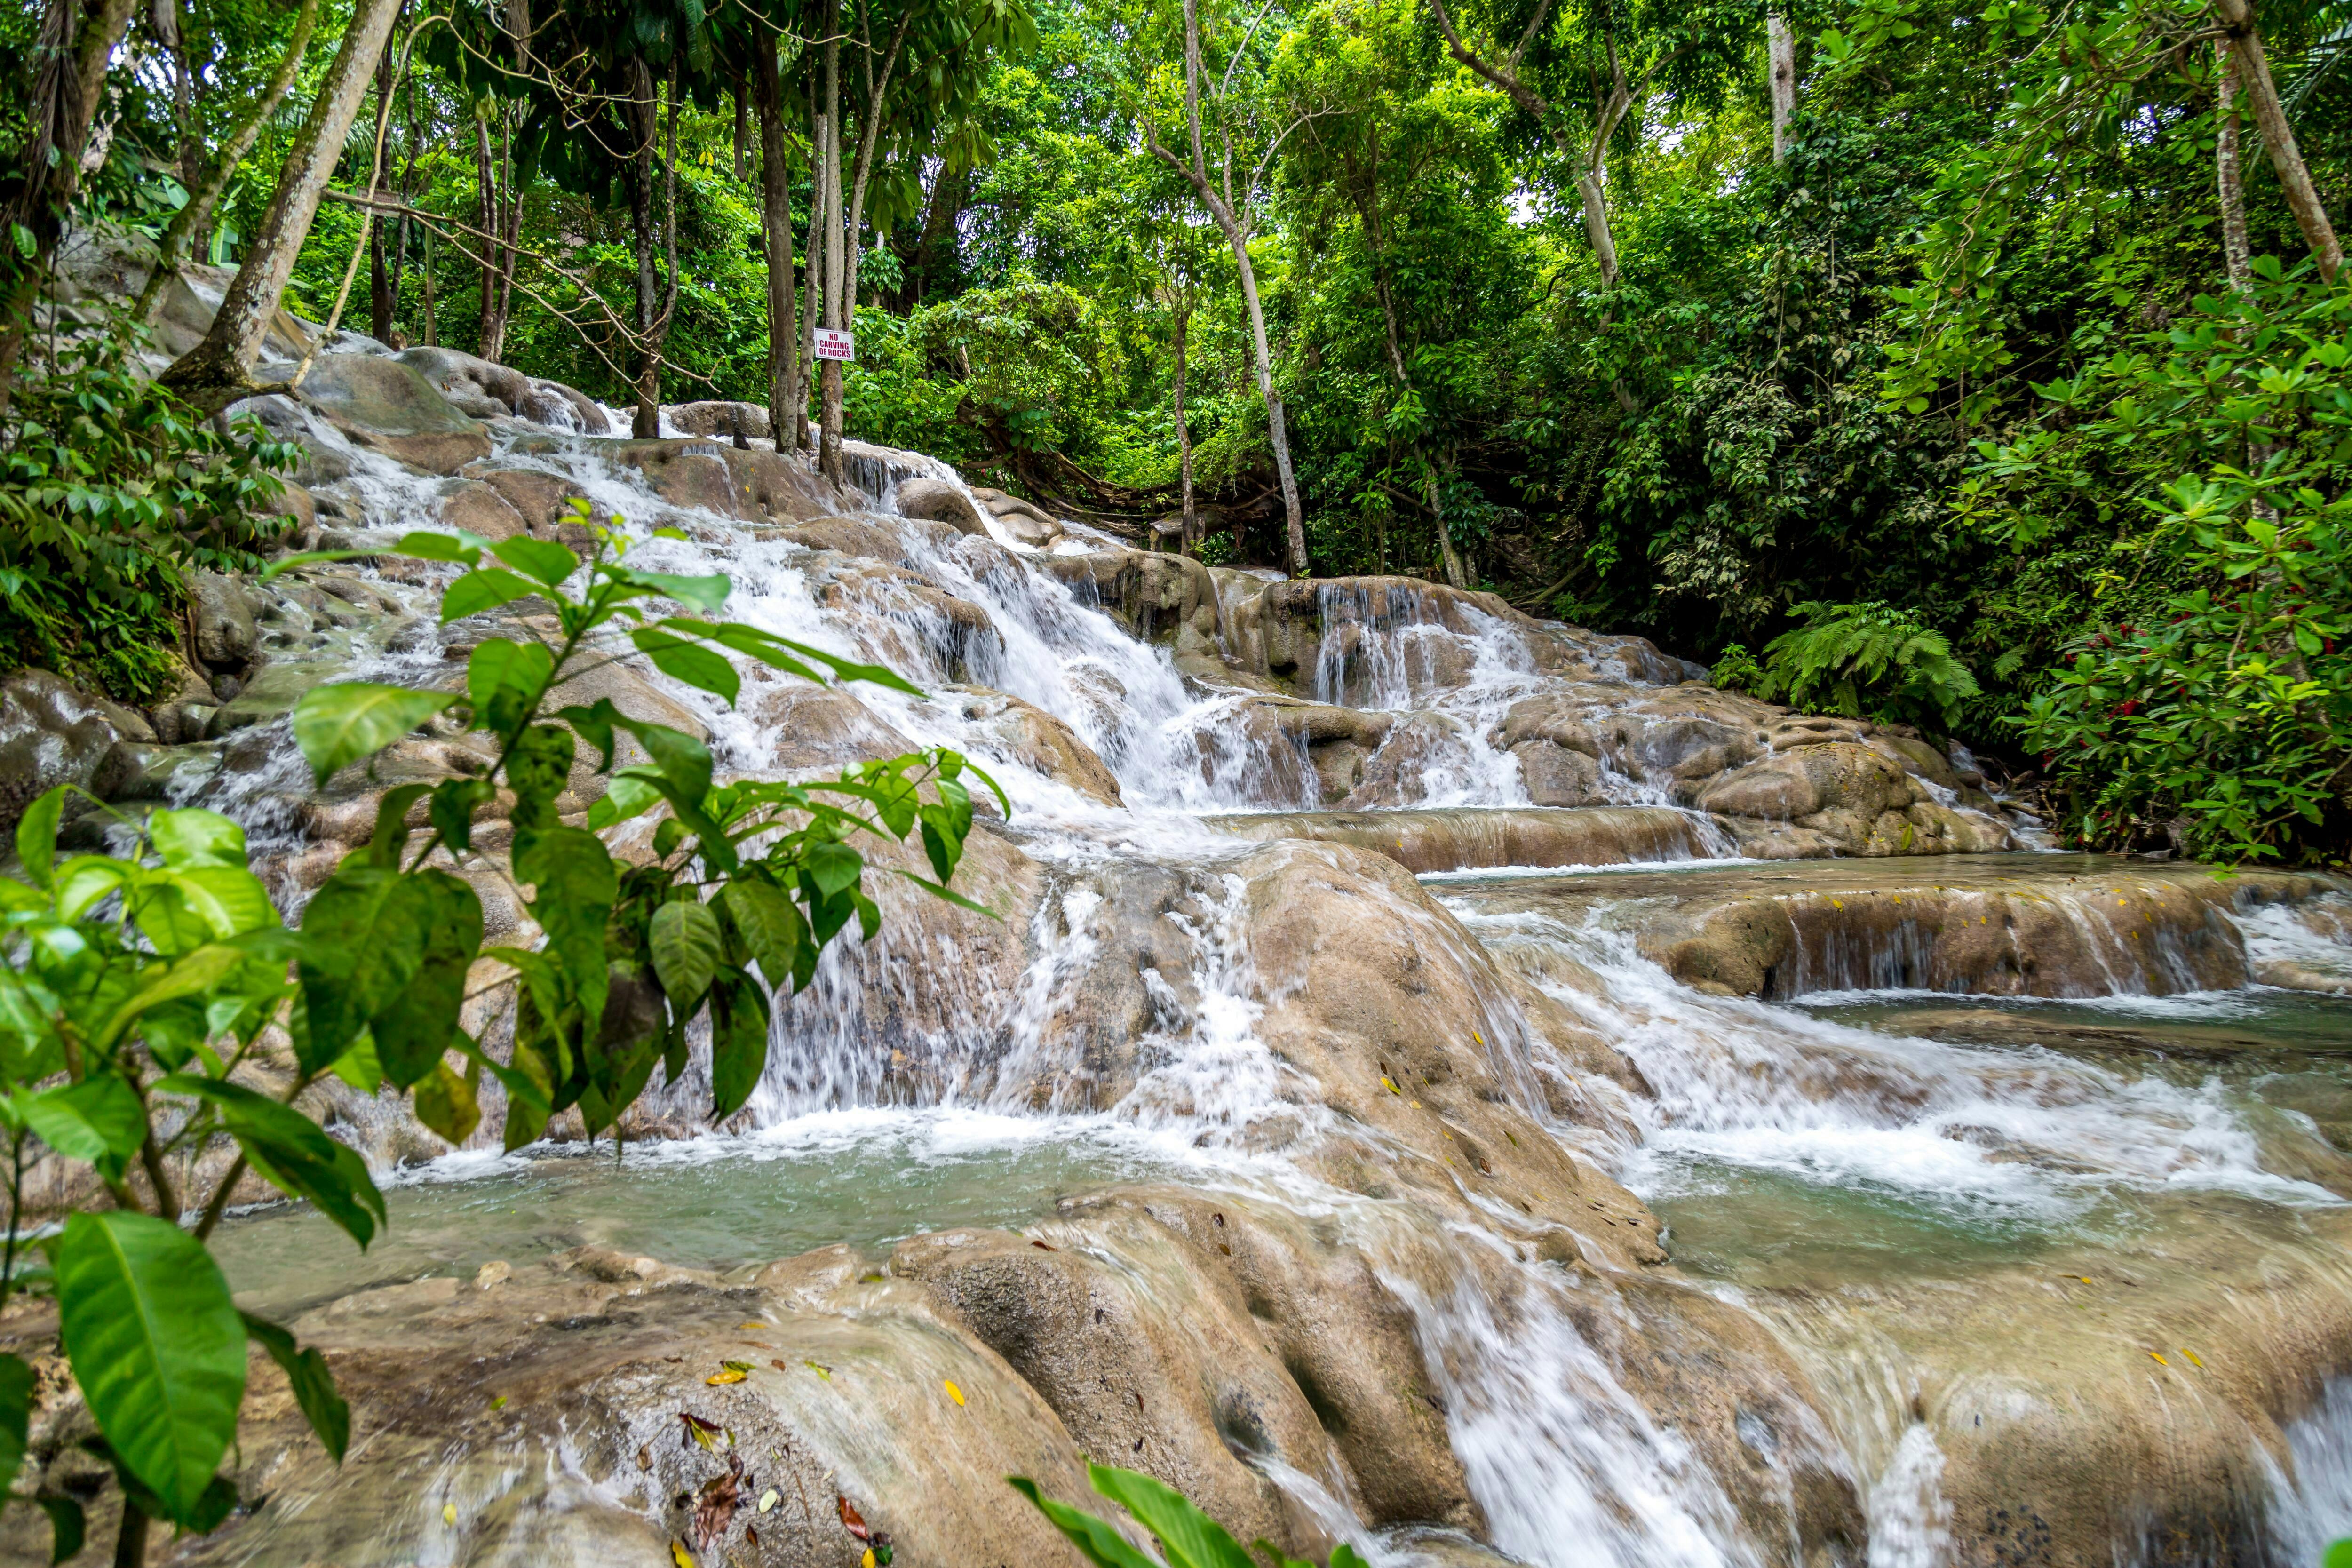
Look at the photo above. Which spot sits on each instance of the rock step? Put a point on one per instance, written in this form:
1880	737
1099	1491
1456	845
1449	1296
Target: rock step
1481	837
2005	925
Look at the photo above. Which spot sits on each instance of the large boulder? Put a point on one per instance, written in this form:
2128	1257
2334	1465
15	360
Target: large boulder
1028	735
389	405
936	501
720	420
52	734
487	391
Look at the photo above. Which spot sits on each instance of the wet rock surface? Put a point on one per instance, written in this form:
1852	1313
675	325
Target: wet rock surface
1443	1256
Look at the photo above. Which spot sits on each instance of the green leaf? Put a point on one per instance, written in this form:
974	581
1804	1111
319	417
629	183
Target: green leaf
574	885
313	1385
833	866
338	724
65	1527
1191	1538
413	1031
98	1120
157	1346
357	1067
229	899
705	593
628	797
690	662
505	678
16	1415
36	835
541	559
189	975
771	928
484	589
684	938
188	839
292	1152
455	802
458	545
739	1041
391	830
1097	1540
446	1103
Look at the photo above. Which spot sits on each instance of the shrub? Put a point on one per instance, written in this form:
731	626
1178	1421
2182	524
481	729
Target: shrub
1866	661
111	490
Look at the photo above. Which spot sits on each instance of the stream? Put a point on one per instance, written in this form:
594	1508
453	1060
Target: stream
1972	1207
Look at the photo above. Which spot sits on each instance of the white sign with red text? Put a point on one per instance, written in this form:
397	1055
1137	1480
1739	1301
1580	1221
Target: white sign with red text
832	343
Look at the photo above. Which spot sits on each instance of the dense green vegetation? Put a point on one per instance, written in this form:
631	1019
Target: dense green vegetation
1554	300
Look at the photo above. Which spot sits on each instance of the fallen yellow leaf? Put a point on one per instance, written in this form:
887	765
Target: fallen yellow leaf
678	1555
866	1561
955	1393
762	1327
2158	1358
2192	1358
824	1371
1388	1084
768	1499
448	1513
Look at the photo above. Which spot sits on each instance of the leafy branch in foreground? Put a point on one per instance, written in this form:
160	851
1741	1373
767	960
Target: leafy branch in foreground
153	1002
1188	1536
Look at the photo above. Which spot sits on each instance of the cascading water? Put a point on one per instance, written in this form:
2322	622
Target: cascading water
1739	1115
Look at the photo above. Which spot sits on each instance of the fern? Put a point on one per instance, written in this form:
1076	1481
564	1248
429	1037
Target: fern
1868	660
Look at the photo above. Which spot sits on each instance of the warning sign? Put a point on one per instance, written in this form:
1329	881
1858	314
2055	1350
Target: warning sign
832	343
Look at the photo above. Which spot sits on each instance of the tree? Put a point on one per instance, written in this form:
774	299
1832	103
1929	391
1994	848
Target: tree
1232	201
219	370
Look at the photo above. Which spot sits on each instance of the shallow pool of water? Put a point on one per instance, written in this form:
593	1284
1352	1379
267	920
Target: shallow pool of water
864	1178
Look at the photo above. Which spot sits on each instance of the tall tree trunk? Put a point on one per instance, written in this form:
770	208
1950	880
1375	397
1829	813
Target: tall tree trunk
813	270
742	128
164	15
70	74
869	138
645	421
218	371
432	321
2270	117
787	410
487	218
1780	51
1231	225
193	223
379	276
829	461
2237	254
940	215
1184	434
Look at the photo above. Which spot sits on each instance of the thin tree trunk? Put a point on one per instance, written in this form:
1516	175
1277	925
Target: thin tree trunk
869	137
194	221
432	321
829	460
742	127
813	270
1781	51
72	72
218	371
649	379
379	273
486	213
2237	255
939	219
787	410
645	421
1230	223
165	16
2278	136
1191	535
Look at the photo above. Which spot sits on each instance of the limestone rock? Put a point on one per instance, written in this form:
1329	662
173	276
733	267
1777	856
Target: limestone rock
1039	742
389	405
720	420
482	509
506	391
224	613
936	501
52	734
